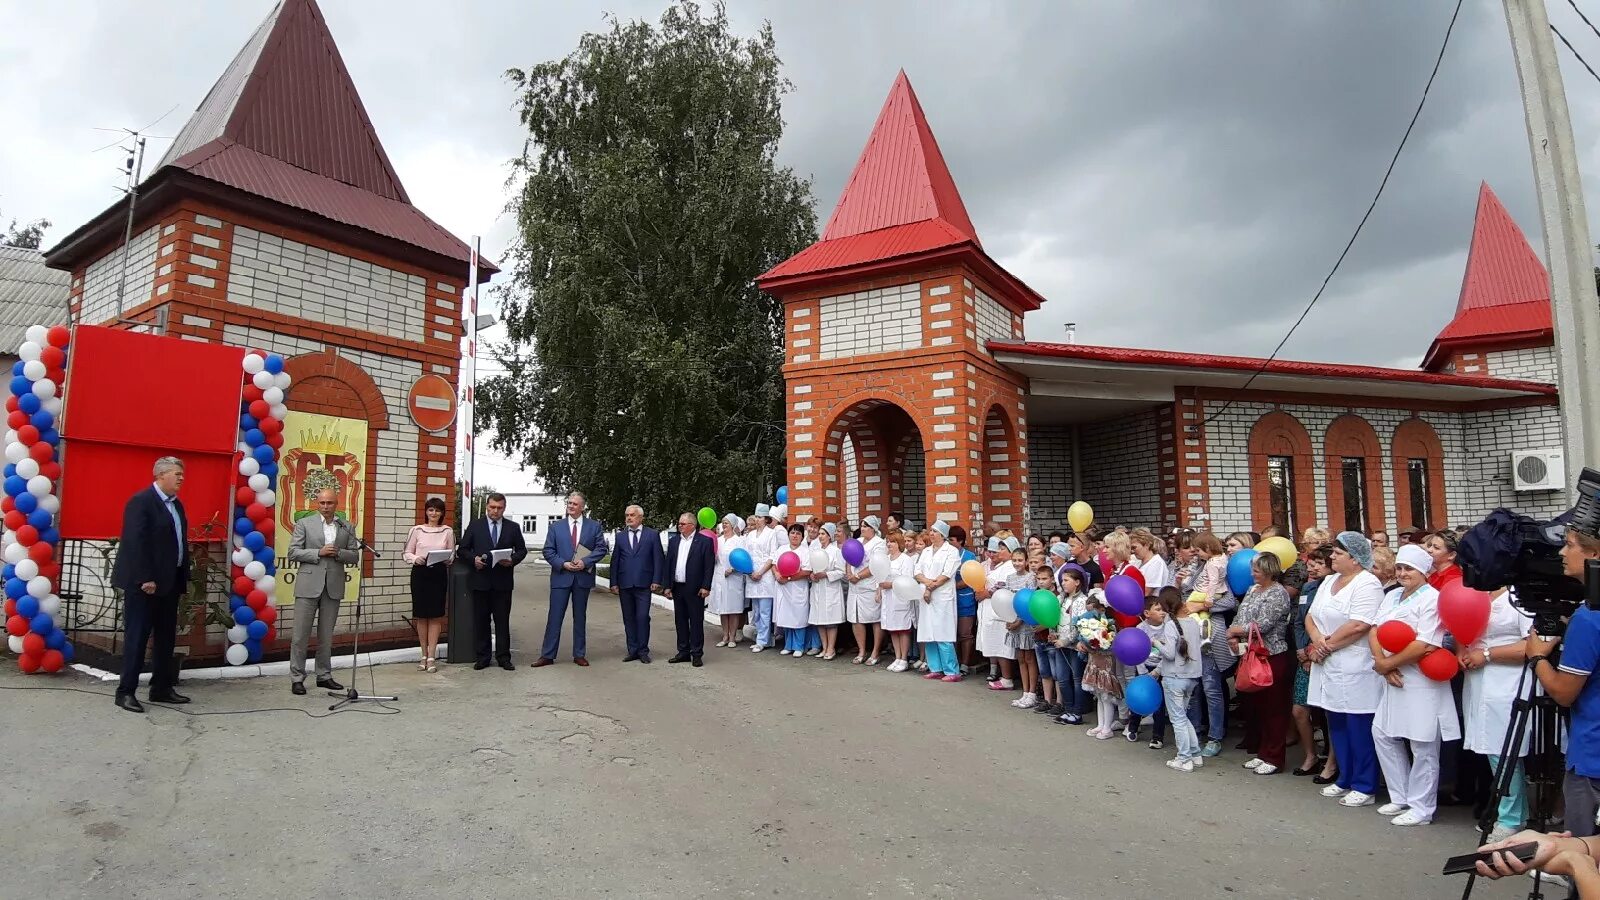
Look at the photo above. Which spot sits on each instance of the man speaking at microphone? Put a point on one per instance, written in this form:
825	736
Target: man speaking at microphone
323	545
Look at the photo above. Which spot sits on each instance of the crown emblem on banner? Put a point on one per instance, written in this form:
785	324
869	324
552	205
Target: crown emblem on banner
323	440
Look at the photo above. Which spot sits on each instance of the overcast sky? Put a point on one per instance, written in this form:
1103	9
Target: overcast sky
1168	175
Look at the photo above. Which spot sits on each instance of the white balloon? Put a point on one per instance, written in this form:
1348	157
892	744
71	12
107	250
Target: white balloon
879	564
238	634
259	482
38	485
278	411
249	466
266	584
44	389
51	605
244	448
29	351
238	541
819	561
27	570
27	467
14	552
34	370
254	569
39	587
273	395
16	451
10	437
50	504
907	589
15	643
281	381
242	557
253	363
262	379
267	498
53	406
37	334
237	655
1000	605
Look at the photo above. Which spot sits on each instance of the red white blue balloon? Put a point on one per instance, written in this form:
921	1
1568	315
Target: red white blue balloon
263	382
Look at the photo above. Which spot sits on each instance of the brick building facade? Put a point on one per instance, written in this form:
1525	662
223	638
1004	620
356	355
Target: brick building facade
275	221
912	390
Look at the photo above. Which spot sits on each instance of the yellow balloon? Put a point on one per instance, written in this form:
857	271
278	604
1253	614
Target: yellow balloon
1282	548
972	574
1080	516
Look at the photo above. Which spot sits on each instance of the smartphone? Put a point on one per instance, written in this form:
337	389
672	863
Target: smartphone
1468	862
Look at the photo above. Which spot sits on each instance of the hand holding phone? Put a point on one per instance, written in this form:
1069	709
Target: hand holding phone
1468	862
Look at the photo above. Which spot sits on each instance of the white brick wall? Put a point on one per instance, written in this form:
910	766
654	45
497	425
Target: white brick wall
994	322
1529	364
1049	476
874	321
270	272
100	279
852	479
913	486
1121	471
1478	477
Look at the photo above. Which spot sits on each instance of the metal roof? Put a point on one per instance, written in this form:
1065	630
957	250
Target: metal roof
30	294
1505	290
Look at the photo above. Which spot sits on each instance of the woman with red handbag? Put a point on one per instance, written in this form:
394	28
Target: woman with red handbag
1265	679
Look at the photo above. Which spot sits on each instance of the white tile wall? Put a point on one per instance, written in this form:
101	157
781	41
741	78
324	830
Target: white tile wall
994	322
1529	364
913	486
1049	476
873	321
852	479
270	272
1478	478
100	280
1121	471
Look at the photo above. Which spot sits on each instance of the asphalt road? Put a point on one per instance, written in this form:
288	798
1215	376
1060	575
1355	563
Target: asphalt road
757	775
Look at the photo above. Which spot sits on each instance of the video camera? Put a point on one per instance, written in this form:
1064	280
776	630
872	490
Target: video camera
1508	548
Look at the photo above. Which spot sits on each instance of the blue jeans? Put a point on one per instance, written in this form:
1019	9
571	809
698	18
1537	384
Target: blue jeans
1080	700
1178	691
761	618
1215	693
1051	665
942	657
1351	736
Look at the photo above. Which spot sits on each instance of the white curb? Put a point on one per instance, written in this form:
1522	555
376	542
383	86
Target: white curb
226	673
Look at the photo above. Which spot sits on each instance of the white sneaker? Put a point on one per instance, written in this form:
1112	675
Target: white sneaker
1266	769
1500	833
1104	735
1028	701
1356	798
1254	761
757	648
1333	790
799	655
1181	765
1199	761
1408	818
1392	809
813	652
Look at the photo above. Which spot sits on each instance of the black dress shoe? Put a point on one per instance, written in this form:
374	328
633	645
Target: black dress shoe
169	696
644	658
480	665
330	684
1326	779
1316	766
678	659
697	662
299	688
130	703
507	664
630	657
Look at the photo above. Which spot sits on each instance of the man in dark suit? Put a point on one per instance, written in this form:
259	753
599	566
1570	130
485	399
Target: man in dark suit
152	569
492	581
690	562
636	566
571	578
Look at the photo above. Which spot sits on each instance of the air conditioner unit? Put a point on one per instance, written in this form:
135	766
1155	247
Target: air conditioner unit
1538	470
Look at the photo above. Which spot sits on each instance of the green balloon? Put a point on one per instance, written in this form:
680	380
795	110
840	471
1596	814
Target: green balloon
708	517
1045	608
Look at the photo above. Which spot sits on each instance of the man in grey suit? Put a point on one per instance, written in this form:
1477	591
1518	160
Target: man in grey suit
323	545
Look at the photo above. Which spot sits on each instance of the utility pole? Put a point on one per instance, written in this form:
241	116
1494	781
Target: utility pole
469	382
135	171
1575	312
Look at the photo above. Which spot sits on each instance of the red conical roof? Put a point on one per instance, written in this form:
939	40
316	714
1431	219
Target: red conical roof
1505	292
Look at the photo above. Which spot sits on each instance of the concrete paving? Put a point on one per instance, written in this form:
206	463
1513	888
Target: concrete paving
757	775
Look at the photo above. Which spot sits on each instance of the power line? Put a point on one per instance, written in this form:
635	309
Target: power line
1574	5
1404	138
1574	50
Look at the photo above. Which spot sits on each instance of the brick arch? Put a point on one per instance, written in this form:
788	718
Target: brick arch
330	385
861	474
1003	489
1416	439
1352	436
878	423
1278	433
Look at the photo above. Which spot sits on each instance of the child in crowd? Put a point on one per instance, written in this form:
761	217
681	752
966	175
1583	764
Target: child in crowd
1155	619
1074	603
1181	647
1095	631
1019	637
1045	652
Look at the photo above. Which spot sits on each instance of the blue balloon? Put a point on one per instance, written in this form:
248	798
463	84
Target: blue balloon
16	588
56	639
8	573
254	649
274	363
1239	575
264	554
255	438
264	454
29	402
10	470
50	436
244	615
740	560
270	469
15	486
1143	695
39	518
26	502
16	367
257	630
272	568
242	525
783	494
67	652
234	602
42	624
247	422
254	540
42	420
51	536
27	606
21	386
1019	602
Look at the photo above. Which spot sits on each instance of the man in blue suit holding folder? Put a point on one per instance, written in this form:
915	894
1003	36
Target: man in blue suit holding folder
636	565
571	578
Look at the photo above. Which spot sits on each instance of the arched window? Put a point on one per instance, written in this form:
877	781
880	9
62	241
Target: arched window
1353	464
1417	458
1282	490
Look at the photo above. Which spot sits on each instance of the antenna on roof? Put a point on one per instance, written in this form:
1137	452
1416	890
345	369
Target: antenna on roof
133	169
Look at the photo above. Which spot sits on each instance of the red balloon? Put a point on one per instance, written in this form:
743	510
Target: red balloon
28	434
251	394
50	469
271	635
788	563
59	376
243	586
268	614
16	626
260	409
11	608
28	663
1395	636
256	600
270	426
244	496
42	453
33	642
1464	611
58	336
53	357
17	419
15	519
1125	621
275	441
255	512
1440	665
52	661
12	403
41	554
27	535
8	504
50	570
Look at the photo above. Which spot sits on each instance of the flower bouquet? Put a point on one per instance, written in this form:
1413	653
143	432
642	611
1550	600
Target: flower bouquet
1096	633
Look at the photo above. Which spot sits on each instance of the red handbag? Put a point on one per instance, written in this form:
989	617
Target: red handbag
1255	673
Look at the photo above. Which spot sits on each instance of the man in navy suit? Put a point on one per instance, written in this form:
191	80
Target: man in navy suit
636	567
492	581
571	578
152	569
690	560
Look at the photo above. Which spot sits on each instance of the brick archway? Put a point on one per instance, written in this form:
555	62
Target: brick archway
330	385
1004	487
880	428
1416	439
1280	434
1352	437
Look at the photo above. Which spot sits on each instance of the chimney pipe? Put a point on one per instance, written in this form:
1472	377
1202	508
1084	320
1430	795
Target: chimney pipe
1072	332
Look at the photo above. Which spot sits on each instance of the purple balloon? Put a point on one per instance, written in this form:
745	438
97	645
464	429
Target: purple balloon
1131	646
1125	595
853	552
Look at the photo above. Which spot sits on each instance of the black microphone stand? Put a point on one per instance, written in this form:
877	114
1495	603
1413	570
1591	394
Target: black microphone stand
351	695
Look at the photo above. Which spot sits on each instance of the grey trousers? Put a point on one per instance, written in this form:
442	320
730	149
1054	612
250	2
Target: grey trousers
324	611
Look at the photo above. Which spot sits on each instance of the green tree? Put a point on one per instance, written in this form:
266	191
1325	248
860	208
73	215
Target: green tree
29	236
642	364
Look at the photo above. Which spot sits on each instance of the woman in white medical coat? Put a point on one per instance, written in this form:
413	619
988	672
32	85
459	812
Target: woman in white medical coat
1493	664
827	590
727	583
936	618
899	616
791	601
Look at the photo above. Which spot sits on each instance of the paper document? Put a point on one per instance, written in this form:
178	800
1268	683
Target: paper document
435	557
497	556
580	554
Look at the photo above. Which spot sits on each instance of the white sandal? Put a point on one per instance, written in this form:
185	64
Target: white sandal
858	660
422	664
433	664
